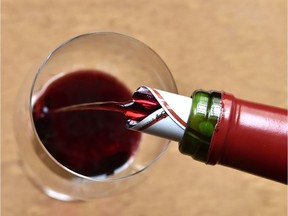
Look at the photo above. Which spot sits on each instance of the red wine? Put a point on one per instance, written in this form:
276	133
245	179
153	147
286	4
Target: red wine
139	107
91	142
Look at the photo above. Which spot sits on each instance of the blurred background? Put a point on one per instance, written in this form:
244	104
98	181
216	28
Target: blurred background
238	46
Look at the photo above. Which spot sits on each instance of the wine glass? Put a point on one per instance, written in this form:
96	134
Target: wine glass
124	58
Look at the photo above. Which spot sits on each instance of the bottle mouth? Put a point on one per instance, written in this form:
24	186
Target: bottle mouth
169	116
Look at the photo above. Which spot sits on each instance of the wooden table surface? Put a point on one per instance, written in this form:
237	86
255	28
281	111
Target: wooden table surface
238	46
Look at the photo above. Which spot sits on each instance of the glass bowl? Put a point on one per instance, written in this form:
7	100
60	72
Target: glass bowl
126	59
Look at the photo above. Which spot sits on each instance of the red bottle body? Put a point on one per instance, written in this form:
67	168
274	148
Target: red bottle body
251	137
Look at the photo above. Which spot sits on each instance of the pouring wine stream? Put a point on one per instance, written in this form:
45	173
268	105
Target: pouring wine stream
152	111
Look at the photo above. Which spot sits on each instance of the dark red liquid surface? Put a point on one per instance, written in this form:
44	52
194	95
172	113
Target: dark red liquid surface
90	142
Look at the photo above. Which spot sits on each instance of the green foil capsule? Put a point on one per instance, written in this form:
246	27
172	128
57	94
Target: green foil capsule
205	113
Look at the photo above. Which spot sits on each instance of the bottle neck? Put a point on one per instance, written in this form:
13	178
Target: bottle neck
204	116
190	121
